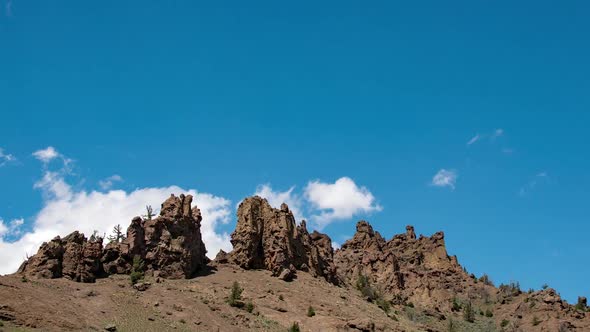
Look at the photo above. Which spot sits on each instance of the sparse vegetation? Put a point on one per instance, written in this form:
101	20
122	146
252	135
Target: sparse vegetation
489	313
310	311
452	327
371	294
545	286
281	297
486	280
249	306
536	321
295	327
149	213
468	313
137	269
95	237
512	289
24	279
581	305
117	234
504	323
455	306
235	295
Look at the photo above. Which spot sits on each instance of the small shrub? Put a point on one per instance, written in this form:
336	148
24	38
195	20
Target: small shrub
281	297
504	323
137	273
545	286
364	286
183	321
249	306
489	313
295	328
383	304
235	295
452	327
310	311
455	305
468	313
410	304
486	280
24	279
536	321
581	305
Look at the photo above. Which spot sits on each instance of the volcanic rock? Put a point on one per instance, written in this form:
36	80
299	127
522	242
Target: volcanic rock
170	244
268	238
73	257
404	268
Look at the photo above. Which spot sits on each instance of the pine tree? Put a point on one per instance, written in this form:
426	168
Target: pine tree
118	234
150	213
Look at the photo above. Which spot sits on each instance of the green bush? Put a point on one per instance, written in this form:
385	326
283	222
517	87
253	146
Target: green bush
536	321
364	286
489	313
581	305
310	312
235	295
504	323
468	313
295	328
249	306
137	268
486	280
455	305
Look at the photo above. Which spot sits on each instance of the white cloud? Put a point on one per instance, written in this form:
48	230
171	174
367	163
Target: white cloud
340	200
5	157
498	133
474	139
445	178
3	228
46	155
276	198
12	228
106	184
539	178
66	210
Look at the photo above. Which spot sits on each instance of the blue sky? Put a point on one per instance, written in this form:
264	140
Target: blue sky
225	97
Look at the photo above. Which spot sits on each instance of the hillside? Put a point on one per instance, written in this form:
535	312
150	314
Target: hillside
288	276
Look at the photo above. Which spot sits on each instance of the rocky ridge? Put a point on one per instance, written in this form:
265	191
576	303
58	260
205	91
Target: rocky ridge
412	274
169	245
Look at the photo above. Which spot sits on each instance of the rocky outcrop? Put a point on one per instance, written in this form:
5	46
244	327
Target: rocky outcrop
170	246
268	238
73	257
405	268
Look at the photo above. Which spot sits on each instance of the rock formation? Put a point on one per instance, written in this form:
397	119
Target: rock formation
170	246
268	238
73	257
405	268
